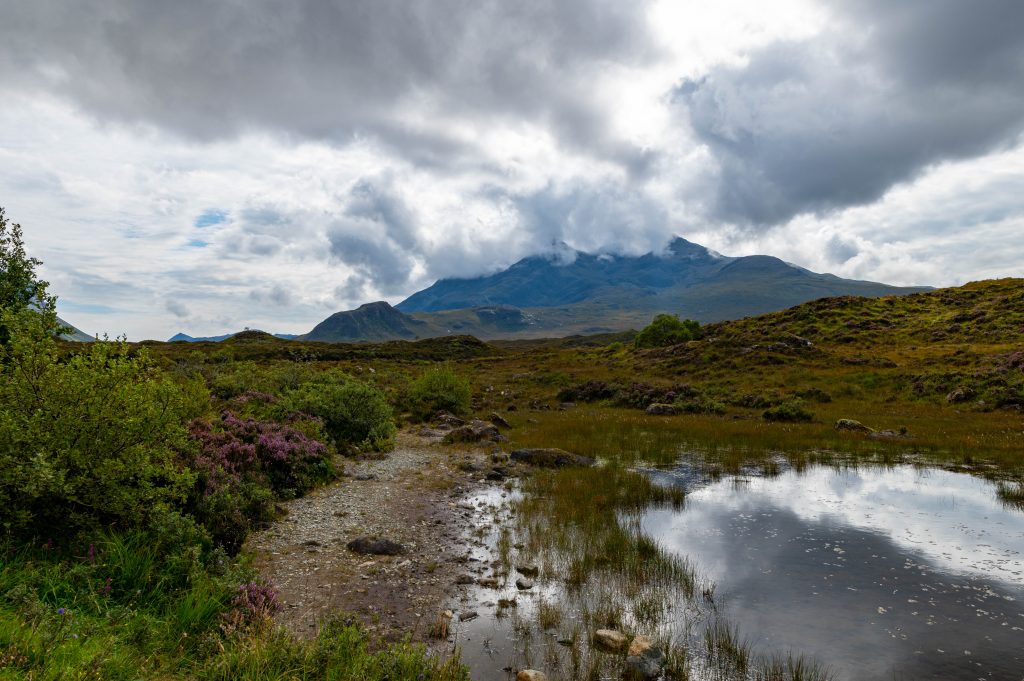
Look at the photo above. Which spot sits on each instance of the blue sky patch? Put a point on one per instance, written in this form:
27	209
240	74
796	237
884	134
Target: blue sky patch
198	243
211	217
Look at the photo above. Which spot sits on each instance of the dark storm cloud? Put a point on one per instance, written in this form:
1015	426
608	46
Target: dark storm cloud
328	69
887	90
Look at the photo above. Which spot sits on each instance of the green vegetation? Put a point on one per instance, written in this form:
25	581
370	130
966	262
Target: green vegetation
352	411
437	389
667	329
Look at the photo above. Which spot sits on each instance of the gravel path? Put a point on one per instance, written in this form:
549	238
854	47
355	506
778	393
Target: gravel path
414	497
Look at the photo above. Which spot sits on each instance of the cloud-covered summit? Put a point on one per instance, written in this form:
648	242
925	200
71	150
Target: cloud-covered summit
223	164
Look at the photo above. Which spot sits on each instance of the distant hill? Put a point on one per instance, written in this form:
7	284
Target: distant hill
580	293
75	334
217	339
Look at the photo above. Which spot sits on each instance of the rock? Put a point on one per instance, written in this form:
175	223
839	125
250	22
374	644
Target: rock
530	571
855	426
524	584
960	395
610	640
375	547
468	616
647	665
489	582
550	457
659	409
448	421
566	406
506	602
640	645
430	432
498	421
496	475
465	579
531	675
474	431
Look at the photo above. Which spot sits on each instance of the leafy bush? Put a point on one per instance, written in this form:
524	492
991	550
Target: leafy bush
667	329
87	441
791	410
439	389
352	412
700	405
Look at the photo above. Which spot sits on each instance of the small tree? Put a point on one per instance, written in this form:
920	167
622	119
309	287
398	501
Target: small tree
20	287
667	329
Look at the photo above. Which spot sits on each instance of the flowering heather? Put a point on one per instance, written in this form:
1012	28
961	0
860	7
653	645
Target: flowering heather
254	396
247	449
254	603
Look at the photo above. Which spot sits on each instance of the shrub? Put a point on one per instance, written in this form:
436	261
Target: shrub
791	410
352	412
700	405
86	441
667	329
439	389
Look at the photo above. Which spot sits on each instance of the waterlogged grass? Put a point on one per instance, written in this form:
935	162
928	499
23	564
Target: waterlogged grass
631	437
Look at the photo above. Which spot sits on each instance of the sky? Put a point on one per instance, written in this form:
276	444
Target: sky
206	166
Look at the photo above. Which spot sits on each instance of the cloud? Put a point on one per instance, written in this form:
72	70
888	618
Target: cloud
176	308
413	75
889	90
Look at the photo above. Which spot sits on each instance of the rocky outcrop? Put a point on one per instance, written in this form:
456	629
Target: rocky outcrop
550	457
659	409
474	431
853	426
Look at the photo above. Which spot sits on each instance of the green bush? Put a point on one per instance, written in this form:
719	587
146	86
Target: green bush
667	329
86	441
353	412
439	389
791	410
700	405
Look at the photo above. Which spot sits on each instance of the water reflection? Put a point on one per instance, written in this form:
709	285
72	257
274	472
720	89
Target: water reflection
882	573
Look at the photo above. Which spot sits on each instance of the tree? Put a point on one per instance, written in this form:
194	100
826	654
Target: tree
20	287
667	329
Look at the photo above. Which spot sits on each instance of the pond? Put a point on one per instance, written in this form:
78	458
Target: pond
882	573
876	572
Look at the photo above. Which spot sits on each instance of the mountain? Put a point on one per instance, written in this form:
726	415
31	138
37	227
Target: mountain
75	334
581	293
217	339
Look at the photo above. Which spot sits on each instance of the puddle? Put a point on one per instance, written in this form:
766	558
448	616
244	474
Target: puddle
882	573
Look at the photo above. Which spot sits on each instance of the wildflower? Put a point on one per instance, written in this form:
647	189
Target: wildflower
61	611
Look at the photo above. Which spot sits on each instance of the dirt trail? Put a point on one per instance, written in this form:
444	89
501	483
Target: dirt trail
413	497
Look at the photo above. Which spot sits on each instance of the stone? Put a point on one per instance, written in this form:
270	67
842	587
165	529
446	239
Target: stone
640	645
474	431
464	579
647	665
550	457
489	582
376	547
960	395
506	602
448	421
531	675
659	409
851	425
610	640
499	421
530	571
524	584
468	616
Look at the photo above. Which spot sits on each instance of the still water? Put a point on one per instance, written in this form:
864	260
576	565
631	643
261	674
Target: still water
882	573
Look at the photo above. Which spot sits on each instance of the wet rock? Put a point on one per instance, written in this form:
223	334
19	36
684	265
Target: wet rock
474	431
468	616
640	645
489	582
496	475
506	602
647	665
531	675
464	579
550	457
851	425
524	584
610	640
659	409
528	570
375	547
498	421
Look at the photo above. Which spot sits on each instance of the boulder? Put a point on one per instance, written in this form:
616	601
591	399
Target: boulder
640	645
498	421
530	571
524	584
550	457
960	395
531	675
851	425
659	409
375	547
474	431
448	421
611	640
647	665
